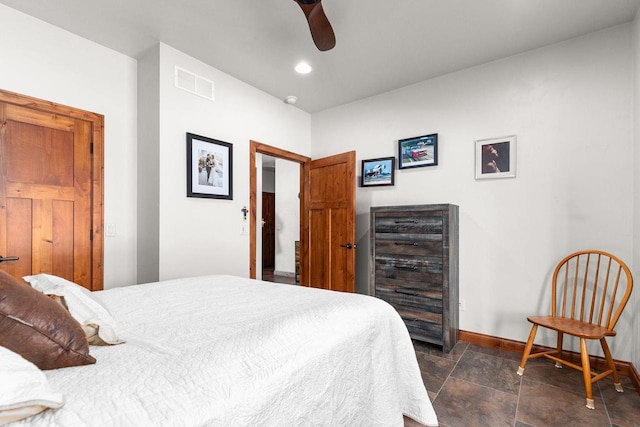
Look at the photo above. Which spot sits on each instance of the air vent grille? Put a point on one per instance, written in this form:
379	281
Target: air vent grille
193	83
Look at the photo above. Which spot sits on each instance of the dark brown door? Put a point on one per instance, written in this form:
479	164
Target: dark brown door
47	195
268	230
331	215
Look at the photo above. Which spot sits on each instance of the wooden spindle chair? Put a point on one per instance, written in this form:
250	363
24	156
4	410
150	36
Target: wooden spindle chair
589	291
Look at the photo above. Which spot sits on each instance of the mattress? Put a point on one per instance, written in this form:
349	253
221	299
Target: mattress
230	351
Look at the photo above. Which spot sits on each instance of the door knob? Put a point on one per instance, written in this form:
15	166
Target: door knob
348	246
9	258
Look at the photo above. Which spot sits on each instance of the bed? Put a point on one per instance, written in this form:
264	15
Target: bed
230	351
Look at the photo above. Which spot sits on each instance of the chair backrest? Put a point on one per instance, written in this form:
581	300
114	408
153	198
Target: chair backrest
592	286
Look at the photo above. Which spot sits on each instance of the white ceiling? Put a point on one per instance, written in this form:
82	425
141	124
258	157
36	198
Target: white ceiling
381	44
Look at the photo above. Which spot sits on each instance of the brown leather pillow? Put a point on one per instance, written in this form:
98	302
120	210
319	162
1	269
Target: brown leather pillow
38	328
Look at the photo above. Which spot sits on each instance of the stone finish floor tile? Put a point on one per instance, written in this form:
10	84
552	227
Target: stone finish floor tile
546	405
464	404
435	371
496	352
478	386
491	371
435	350
623	408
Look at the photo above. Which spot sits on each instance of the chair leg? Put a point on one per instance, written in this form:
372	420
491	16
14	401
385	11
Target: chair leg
612	366
559	349
527	349
586	373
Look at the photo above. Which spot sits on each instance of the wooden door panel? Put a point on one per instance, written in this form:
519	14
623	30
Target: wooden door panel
318	254
38	155
47	186
332	222
39	117
328	185
82	236
343	277
62	259
42	235
18	232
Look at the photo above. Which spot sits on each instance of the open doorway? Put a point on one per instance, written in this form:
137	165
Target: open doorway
327	217
258	153
280	221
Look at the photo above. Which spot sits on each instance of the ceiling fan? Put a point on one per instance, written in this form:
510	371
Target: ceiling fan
321	30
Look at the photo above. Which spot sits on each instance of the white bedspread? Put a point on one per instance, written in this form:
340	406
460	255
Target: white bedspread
228	351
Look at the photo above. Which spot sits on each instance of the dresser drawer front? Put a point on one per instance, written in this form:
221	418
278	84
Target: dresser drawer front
424	331
409	244
426	270
414	223
423	303
426	290
425	326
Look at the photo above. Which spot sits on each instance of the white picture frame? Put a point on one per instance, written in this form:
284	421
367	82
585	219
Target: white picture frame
496	158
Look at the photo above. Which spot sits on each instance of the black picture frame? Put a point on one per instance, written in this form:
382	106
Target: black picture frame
378	172
209	168
418	151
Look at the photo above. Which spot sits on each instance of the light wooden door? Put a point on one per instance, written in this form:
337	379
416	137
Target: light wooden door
331	217
47	195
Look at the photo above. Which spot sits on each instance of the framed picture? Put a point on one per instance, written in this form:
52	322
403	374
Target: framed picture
496	158
418	151
378	172
209	168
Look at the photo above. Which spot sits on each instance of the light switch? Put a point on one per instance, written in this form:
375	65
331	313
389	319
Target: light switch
110	230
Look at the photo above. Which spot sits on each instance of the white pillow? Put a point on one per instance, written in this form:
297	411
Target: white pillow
82	304
24	389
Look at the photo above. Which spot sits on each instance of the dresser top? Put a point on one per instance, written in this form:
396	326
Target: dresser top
434	207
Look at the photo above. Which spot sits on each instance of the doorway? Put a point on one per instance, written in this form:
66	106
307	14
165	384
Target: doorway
258	153
327	201
280	221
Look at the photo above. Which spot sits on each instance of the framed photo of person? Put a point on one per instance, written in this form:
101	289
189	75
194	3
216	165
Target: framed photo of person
496	158
209	168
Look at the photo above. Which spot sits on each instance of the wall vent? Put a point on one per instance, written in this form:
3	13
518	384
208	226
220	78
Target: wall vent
191	82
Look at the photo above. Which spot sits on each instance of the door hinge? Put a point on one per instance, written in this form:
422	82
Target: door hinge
90	234
91	148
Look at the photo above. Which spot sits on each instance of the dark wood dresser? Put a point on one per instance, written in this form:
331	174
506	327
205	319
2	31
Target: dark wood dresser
414	267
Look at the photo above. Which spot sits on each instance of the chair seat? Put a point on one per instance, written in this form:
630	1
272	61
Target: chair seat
572	327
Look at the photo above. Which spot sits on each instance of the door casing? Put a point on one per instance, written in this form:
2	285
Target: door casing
260	148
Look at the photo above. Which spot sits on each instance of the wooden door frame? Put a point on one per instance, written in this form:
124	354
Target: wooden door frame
97	172
256	147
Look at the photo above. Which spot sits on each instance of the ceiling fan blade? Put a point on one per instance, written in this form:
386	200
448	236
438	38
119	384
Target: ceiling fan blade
321	30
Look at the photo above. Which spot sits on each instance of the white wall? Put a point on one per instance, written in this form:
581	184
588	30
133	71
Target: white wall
570	106
287	215
45	62
148	168
202	236
268	180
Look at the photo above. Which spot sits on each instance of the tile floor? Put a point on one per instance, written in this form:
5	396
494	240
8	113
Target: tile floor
478	386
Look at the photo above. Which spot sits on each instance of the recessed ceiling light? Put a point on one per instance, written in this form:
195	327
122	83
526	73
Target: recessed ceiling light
303	68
